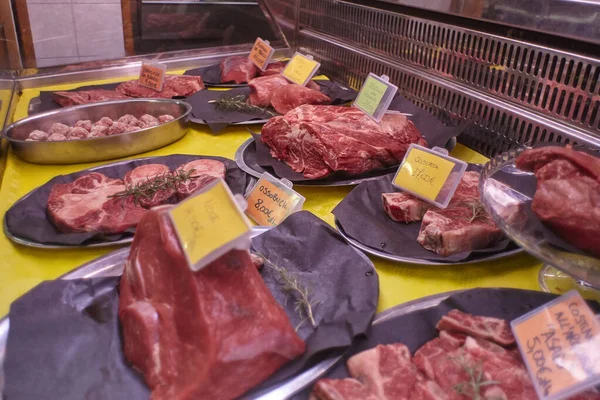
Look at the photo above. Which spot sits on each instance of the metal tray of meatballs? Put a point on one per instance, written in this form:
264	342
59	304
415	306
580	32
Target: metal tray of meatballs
98	132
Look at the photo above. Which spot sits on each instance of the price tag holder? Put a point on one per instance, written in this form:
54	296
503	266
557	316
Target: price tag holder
261	53
272	200
300	69
375	96
429	174
210	224
560	344
152	75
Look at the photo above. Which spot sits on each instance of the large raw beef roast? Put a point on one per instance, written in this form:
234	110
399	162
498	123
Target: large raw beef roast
238	69
210	334
320	140
567	197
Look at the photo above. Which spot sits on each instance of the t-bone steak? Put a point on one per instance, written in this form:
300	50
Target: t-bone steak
205	172
210	334
320	140
238	69
83	206
567	197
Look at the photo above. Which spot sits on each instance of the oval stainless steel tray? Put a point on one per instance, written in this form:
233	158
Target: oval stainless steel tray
112	265
252	122
102	148
391	257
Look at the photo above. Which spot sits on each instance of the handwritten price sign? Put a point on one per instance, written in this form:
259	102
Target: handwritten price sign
375	96
560	344
208	224
261	54
300	69
152	75
428	175
270	201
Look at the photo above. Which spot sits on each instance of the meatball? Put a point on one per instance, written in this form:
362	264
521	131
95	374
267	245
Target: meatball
128	119
56	137
116	128
98	131
132	128
85	124
163	119
77	133
148	120
59	128
38	135
104	121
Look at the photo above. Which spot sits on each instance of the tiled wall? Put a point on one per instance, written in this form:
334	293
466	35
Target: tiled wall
71	31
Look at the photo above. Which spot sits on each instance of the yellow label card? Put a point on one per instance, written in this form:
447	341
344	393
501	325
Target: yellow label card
152	75
261	54
208	221
300	69
371	95
270	204
560	344
423	173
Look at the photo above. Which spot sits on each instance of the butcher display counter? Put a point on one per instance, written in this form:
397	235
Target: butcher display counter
25	267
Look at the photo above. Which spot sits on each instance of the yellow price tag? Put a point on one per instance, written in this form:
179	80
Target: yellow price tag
560	344
152	75
207	222
300	69
423	173
261	54
270	204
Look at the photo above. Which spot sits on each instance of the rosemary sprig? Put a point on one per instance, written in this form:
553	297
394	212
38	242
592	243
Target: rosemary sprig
149	187
473	386
291	286
477	211
239	104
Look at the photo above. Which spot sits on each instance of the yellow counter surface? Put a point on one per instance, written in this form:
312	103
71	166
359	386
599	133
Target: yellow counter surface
22	268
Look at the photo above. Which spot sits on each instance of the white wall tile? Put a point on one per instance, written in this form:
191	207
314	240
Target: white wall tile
99	30
50	62
53	30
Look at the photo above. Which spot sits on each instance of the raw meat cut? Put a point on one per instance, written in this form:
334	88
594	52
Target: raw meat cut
66	99
494	329
238	69
205	172
147	173
83	206
320	140
404	207
567	197
262	89
174	86
274	68
341	389
288	97
210	334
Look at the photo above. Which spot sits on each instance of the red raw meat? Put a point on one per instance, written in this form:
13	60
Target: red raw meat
174	86
66	99
567	197
274	68
205	172
494	329
262	89
210	334
146	173
341	389
288	97
238	69
320	140
404	207
83	206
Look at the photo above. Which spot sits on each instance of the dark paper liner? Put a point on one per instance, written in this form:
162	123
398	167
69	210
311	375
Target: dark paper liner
45	101
418	327
27	218
217	120
362	218
211	76
64	335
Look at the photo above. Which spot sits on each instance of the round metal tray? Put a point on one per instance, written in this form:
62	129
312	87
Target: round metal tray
391	257
252	122
102	148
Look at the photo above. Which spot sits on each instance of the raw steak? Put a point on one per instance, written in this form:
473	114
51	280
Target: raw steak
83	206
174	86
341	389
205	172
494	329
404	207
146	174
288	97
66	99
320	140
210	334
262	89
238	69
567	197
274	68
